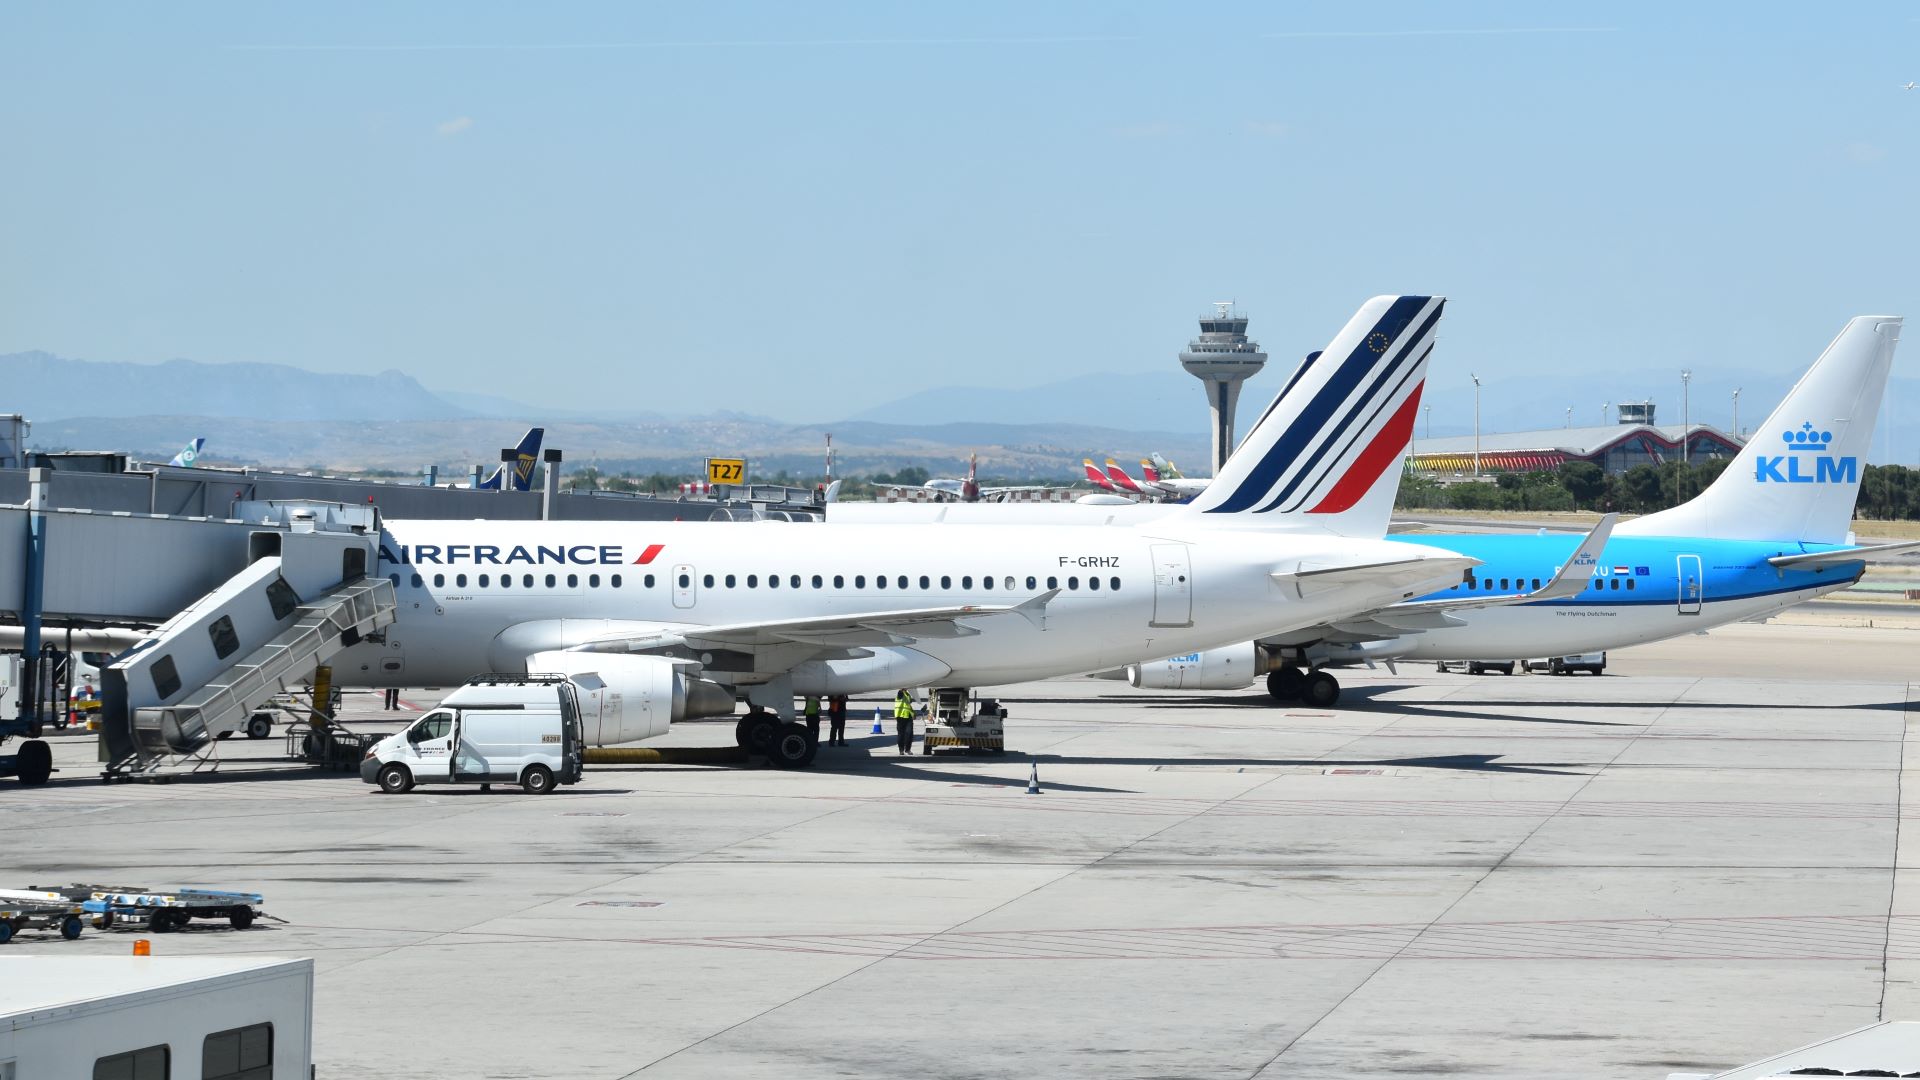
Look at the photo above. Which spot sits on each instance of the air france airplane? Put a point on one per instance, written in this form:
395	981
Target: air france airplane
1770	532
677	620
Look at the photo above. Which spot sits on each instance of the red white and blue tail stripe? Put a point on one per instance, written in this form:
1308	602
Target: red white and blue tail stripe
1330	446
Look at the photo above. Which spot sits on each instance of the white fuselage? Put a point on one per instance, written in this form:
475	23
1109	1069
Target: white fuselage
1126	594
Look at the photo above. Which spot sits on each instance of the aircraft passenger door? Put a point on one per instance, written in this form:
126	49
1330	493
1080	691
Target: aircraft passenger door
1692	585
686	588
1172	586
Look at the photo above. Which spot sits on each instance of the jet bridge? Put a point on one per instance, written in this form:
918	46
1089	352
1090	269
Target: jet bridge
245	607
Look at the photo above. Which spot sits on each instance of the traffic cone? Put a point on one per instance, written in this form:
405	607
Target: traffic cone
1033	780
878	729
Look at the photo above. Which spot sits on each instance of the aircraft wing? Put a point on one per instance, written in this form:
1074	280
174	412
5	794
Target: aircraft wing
1901	551
830	631
1413	616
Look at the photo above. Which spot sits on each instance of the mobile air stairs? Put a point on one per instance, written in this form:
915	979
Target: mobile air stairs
302	597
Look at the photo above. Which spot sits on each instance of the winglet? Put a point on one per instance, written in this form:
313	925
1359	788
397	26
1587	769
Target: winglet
1569	580
1035	610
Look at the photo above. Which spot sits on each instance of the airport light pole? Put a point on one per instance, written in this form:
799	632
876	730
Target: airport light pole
1428	409
1736	412
1569	416
1604	406
1686	418
1476	422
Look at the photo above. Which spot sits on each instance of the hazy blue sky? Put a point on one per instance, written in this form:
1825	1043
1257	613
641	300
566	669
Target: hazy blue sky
806	210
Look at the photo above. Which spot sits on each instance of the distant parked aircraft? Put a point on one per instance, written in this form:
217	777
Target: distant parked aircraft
188	454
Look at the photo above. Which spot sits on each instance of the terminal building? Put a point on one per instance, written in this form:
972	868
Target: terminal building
1615	448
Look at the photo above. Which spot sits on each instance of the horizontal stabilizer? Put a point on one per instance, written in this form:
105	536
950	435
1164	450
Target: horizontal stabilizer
1905	551
1570	580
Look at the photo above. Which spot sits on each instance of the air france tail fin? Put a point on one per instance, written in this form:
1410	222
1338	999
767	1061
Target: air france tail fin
188	454
1797	478
526	457
1095	476
1328	451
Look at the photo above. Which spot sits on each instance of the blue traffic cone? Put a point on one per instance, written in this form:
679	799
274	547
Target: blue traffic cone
1033	780
878	729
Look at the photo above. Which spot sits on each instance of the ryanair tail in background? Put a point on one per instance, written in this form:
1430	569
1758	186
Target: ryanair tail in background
527	456
188	454
1329	450
1798	477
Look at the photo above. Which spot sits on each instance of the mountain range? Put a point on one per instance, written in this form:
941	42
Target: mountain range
282	416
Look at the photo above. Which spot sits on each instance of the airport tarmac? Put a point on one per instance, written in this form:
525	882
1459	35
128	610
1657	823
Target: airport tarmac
1684	865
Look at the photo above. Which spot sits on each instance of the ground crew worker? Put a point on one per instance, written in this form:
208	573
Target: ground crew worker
837	720
393	698
903	720
812	713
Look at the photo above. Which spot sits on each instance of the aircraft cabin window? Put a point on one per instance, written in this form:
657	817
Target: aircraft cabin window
593	581
773	581
395	578
647	581
1073	583
1032	583
526	581
1503	584
550	581
573	581
967	582
1536	584
903	581
946	582
839	582
686	580
986	581
793	580
483	580
729	581
753	581
817	583
1093	583
417	582
707	580
460	581
1629	584
1053	582
859	581
1114	584
439	581
1616	585
925	582
506	581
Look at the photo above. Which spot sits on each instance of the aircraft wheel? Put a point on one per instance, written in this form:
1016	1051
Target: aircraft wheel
1285	683
1321	690
755	731
788	746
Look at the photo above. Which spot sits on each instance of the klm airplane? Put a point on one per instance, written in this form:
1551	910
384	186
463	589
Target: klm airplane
1773	530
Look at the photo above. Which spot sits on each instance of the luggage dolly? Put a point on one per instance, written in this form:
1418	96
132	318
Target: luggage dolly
34	909
164	912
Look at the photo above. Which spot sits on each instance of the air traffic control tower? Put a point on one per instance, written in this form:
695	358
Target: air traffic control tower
1222	358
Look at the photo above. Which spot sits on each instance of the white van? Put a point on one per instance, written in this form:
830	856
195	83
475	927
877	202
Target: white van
512	729
1592	663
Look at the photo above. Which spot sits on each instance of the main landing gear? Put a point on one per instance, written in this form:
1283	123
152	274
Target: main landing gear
784	743
1313	688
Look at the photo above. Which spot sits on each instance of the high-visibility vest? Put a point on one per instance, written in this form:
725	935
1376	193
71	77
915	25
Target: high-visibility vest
813	708
903	709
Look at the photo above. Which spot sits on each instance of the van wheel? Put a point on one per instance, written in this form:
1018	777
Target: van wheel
259	726
538	780
395	779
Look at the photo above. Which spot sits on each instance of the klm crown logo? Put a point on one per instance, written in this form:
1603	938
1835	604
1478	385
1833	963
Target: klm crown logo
1806	443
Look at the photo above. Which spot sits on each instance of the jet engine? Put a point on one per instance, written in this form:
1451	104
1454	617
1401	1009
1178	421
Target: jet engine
625	698
1230	667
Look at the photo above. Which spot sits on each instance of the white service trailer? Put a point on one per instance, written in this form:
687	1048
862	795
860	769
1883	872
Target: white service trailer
141	1017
